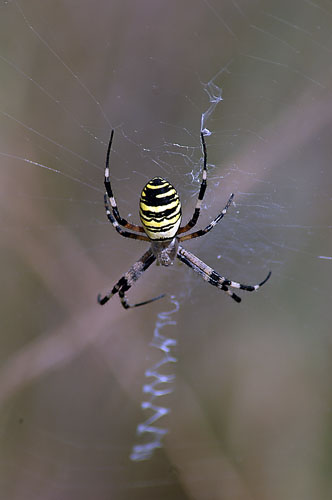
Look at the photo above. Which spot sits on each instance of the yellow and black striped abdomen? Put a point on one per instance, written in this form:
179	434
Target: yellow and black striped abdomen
160	209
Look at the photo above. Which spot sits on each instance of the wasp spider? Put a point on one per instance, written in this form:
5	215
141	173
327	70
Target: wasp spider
160	213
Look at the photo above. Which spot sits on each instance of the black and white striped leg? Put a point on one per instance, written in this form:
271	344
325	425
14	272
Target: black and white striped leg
108	187
212	277
208	228
201	193
128	279
117	226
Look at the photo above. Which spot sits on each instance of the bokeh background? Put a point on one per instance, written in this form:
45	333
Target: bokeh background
251	403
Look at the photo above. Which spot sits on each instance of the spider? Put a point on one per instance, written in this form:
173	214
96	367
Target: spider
160	213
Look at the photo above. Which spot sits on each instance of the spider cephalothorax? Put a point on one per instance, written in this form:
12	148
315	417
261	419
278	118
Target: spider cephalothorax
165	251
160	212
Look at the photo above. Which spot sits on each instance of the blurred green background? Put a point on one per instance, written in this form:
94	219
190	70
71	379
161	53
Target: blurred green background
251	407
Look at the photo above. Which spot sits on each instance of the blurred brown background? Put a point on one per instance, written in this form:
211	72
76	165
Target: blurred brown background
251	408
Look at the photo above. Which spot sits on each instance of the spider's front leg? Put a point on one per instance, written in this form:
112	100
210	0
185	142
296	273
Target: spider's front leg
211	276
128	279
126	304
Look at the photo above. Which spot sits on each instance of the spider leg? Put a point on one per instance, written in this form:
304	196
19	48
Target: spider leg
108	187
208	228
128	279
201	193
117	226
126	304
212	277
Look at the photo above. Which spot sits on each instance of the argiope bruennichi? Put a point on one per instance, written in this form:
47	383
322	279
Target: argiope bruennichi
160	213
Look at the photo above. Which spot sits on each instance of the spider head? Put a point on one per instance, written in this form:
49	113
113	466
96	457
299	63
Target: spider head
165	251
160	209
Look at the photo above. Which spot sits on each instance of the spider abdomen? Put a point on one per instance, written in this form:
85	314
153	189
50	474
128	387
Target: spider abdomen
160	209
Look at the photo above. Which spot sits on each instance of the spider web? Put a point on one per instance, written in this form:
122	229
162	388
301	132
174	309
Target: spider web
250	403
